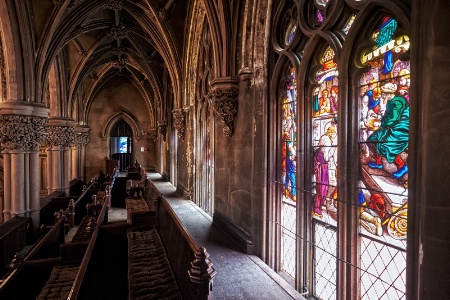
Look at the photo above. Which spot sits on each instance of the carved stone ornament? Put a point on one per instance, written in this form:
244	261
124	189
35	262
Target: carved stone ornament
81	139
179	121
115	4
57	3
162	13
154	134
226	106
162	128
61	136
118	32
246	75
22	132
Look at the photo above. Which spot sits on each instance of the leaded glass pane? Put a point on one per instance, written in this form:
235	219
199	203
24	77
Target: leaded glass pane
384	141
289	240
383	273
325	251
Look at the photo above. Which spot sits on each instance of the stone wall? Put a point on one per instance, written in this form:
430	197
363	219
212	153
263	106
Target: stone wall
118	96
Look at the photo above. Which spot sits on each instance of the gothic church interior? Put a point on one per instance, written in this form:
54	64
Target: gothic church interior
313	133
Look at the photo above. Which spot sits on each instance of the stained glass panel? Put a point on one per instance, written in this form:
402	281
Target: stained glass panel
325	139
289	139
384	141
289	174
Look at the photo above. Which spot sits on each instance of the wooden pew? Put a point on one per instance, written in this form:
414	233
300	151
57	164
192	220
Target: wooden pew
190	263
13	238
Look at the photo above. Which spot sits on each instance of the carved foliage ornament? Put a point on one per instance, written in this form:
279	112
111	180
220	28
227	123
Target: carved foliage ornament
225	106
22	132
154	134
118	32
81	139
61	136
162	128
115	4
179	121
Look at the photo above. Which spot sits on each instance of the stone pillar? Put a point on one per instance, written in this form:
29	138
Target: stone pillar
22	130
60	136
225	93
82	138
18	183
7	186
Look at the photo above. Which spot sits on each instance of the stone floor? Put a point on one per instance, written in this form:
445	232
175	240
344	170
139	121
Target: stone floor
239	276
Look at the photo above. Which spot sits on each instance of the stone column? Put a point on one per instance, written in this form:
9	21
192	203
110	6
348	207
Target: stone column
60	136
7	186
22	130
82	138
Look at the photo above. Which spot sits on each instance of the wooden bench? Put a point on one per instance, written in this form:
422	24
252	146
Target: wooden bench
139	212
149	273
190	263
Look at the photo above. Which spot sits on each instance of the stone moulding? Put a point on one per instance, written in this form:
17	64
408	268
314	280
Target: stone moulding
225	93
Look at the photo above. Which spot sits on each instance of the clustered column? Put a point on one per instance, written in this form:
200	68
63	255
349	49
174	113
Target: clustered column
21	137
60	137
81	139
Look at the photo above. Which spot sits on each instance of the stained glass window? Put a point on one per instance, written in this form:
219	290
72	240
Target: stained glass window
289	172
383	182
325	140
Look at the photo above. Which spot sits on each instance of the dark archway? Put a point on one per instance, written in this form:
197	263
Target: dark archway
121	144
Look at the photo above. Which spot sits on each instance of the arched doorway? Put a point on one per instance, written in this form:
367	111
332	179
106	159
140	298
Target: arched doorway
121	147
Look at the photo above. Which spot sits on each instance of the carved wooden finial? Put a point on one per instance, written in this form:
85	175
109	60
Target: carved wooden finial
201	274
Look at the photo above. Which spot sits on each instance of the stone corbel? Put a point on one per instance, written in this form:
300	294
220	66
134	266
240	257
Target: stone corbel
162	128
246	75
81	136
154	134
179	121
225	99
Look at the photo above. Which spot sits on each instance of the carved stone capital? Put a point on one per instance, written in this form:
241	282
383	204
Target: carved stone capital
81	139
61	136
246	75
162	128
154	134
225	99
179	121
19	132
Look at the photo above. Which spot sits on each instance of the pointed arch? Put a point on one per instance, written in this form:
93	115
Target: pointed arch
130	119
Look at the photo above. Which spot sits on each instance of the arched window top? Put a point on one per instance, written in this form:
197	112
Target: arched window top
328	68
121	128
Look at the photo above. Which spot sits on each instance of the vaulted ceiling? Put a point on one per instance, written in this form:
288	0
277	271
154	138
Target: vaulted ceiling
82	44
